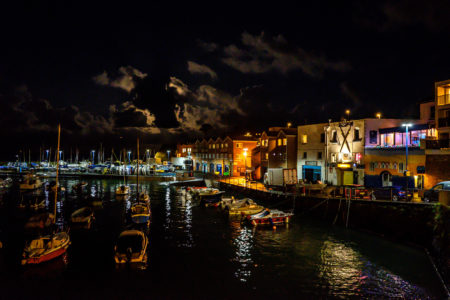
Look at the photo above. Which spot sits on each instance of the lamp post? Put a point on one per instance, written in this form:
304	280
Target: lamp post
347	112
406	151
129	156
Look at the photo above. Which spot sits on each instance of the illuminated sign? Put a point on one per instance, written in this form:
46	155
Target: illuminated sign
344	166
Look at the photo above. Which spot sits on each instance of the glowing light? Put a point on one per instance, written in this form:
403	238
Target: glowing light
344	166
378	115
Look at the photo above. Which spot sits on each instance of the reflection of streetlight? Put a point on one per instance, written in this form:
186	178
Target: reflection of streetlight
93	156
168	155
245	163
129	156
378	115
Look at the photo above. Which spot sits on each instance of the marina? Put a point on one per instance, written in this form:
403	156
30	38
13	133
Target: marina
186	241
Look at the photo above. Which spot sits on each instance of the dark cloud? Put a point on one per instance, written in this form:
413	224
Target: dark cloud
125	80
263	53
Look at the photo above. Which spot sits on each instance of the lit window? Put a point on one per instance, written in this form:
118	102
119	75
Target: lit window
279	142
184	150
284	142
304	139
267	155
239	145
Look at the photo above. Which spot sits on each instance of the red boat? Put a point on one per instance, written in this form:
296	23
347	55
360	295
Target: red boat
46	248
269	217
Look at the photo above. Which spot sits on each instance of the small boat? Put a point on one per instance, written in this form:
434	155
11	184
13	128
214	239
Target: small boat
140	213
83	217
79	186
210	197
31	182
122	190
46	248
131	247
40	221
243	207
269	217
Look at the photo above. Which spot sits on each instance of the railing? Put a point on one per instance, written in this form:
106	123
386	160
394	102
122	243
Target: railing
437	144
443	100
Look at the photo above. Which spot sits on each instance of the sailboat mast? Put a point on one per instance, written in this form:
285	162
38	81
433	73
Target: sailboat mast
137	186
57	170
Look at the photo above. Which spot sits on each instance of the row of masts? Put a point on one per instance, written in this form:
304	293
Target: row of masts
46	156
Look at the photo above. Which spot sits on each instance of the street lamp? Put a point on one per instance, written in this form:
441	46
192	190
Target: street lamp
378	115
129	156
406	166
347	112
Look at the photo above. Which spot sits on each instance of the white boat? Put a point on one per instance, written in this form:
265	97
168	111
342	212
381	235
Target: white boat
131	247
243	207
270	217
31	182
45	248
83	216
122	190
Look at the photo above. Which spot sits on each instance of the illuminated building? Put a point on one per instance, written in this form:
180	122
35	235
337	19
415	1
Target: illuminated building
311	152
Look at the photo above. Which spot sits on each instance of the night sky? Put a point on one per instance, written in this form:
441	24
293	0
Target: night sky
171	73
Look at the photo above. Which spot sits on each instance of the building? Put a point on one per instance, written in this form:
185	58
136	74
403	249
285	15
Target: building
437	148
227	156
352	145
442	115
311	152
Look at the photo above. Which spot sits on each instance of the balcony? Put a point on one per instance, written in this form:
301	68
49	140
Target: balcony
444	122
437	144
443	100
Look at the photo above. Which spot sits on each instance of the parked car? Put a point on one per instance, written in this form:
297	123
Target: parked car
432	195
393	193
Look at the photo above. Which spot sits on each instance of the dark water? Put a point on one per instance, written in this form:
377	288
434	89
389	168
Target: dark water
198	253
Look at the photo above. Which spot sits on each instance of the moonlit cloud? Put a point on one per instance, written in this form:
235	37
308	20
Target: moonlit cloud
195	68
262	54
125	80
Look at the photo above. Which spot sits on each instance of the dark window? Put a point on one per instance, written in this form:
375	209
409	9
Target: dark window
334	136
319	155
305	155
432	112
356	135
322	137
373	136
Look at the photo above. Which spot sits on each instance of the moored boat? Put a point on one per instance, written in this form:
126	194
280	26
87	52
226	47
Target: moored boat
243	207
46	248
210	197
269	217
122	190
131	247
31	182
140	213
82	217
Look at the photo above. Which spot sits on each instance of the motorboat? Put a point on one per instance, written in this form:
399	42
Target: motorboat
131	247
31	182
122	190
269	217
82	217
210	197
40	221
140	213
46	248
243	207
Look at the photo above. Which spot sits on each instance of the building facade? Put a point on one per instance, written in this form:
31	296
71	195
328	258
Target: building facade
311	152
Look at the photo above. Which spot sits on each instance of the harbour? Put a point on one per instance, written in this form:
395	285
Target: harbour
308	257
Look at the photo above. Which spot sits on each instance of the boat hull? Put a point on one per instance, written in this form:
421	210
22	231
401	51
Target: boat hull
46	257
270	221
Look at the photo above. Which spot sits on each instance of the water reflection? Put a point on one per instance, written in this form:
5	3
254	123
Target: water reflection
243	243
167	198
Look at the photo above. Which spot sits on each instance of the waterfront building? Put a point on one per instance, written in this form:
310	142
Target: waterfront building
227	156
311	152
437	149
